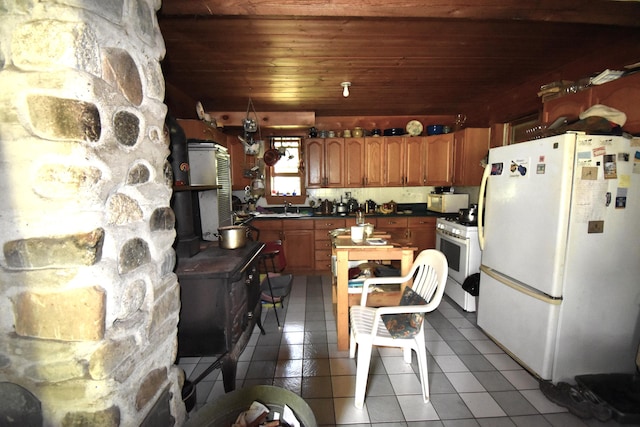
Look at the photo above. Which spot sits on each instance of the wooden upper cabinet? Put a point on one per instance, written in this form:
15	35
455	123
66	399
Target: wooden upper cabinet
569	106
324	162
334	162
621	94
374	164
354	162
394	161
314	162
416	164
471	145
196	129
440	159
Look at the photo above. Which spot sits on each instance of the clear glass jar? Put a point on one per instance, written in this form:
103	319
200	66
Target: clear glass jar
359	217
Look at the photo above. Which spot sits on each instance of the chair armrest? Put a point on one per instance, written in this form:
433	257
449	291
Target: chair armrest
381	281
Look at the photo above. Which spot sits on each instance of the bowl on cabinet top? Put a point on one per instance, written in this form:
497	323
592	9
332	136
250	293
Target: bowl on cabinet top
435	129
394	132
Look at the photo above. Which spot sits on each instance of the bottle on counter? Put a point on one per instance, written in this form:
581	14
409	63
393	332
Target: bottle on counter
359	216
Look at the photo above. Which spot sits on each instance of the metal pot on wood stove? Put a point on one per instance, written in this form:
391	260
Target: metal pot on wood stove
232	237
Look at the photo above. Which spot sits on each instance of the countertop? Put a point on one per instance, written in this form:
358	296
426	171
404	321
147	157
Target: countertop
418	209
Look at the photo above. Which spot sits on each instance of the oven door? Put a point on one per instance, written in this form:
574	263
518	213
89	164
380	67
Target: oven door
456	250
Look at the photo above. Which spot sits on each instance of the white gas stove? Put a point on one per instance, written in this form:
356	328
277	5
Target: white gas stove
459	243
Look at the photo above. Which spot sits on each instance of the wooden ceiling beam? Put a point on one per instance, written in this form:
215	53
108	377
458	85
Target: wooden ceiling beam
605	12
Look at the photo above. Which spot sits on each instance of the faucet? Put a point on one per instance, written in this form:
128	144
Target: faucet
287	205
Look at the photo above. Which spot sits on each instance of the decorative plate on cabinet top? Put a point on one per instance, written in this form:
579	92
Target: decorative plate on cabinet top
414	128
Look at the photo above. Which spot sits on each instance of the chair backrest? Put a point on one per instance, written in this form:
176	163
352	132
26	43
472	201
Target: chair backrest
429	272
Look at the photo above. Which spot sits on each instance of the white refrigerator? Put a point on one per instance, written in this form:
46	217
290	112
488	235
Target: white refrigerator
560	275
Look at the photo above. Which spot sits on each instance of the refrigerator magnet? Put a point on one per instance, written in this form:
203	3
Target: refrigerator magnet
540	168
610	168
621	198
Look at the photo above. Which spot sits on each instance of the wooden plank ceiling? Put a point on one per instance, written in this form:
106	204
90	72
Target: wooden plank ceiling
403	58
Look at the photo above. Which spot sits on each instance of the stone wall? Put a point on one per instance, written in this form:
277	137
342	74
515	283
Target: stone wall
89	301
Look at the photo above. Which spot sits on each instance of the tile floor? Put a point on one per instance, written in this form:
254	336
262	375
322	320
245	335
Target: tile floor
473	382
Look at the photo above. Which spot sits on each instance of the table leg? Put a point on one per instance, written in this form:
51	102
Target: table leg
406	262
342	299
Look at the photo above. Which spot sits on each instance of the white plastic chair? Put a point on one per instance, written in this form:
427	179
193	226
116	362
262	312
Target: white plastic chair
429	274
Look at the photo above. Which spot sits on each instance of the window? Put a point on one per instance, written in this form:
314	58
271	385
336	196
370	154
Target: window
286	177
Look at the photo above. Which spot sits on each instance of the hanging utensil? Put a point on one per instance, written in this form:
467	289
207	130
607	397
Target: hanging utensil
271	156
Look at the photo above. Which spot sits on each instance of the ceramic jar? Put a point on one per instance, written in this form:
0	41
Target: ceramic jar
357	132
347	133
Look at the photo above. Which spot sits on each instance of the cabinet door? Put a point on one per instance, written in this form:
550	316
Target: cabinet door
196	129
471	145
334	162
314	162
422	232
298	243
354	162
396	226
621	94
439	159
394	160
416	161
374	161
569	106
270	229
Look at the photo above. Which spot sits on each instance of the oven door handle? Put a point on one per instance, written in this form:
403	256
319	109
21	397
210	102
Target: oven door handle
483	187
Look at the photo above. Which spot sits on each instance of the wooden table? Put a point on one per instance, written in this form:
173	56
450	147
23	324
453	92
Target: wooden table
345	250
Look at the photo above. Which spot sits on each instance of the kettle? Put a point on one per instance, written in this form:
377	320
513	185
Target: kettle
370	206
326	207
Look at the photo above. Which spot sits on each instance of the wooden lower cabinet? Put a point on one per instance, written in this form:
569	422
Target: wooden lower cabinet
396	226
322	248
422	232
298	244
270	229
307	244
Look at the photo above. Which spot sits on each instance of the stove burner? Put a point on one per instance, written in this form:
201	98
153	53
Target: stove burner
467	223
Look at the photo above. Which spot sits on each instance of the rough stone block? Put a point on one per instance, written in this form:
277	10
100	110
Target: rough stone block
63	181
109	417
162	219
138	174
57	251
122	209
133	254
126	127
165	307
106	359
150	386
55	371
73	315
64	119
50	44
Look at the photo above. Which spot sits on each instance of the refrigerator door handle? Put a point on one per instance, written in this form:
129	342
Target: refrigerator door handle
518	287
483	186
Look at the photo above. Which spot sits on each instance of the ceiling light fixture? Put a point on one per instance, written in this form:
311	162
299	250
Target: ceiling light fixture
345	90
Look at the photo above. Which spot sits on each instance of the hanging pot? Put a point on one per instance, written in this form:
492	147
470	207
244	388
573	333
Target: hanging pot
271	156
